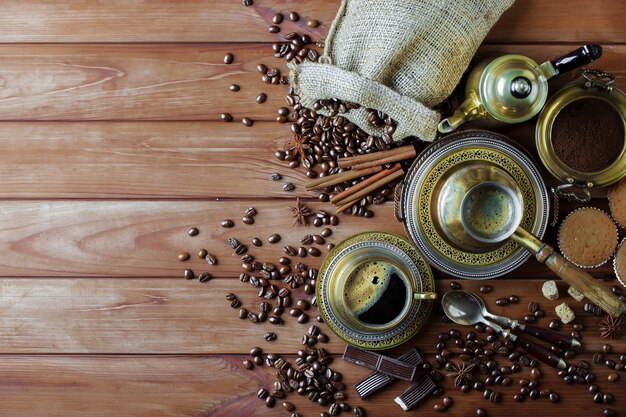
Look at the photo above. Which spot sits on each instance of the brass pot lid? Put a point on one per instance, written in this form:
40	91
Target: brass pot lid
513	89
595	85
419	198
367	287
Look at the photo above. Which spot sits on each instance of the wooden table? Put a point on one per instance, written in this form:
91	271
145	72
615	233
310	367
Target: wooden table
111	148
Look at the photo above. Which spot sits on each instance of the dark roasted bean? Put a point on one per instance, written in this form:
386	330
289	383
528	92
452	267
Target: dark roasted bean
485	289
205	277
502	302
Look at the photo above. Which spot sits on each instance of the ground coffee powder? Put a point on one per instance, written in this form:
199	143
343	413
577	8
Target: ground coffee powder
588	135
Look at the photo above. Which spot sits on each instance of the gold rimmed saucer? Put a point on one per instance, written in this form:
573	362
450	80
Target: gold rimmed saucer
421	193
374	290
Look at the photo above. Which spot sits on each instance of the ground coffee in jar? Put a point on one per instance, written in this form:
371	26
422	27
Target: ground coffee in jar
588	135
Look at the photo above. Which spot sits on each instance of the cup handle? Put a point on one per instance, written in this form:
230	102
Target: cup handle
424	296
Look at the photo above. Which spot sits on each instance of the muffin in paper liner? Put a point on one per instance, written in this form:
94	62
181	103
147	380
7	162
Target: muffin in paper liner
601	237
617	202
619	263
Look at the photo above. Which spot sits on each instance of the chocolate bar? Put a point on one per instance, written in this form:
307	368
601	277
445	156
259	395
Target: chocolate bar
381	363
416	393
377	380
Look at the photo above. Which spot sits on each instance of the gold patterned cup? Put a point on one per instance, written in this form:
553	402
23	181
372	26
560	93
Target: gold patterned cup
374	290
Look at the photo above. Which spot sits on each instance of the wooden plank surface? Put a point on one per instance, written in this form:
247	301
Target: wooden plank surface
176	160
152	386
111	148
175	316
172	82
220	21
143	238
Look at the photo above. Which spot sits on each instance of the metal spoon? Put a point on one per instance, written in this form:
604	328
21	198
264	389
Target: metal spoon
552	337
463	308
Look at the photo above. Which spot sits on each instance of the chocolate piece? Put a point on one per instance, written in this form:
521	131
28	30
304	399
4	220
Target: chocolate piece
416	393
378	362
377	380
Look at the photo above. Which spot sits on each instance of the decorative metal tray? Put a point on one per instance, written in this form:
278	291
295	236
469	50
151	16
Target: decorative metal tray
365	290
419	200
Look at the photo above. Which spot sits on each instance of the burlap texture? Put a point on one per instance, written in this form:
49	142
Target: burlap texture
402	57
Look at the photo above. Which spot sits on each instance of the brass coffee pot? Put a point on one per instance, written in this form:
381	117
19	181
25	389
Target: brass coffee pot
512	88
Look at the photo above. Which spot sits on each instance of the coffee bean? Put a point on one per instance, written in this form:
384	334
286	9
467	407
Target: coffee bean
275	320
227	223
289	187
608	398
273	29
270	401
183	256
326	232
532	307
598	358
270	336
248	364
502	302
455	286
535	373
241	249
606	348
530	318
277	19
486	289
235	303
612	377
248	219
318	240
247	121
243	313
539	314
554	324
261	98
313	23
439	407
275	238
188	274
294	17
247	2
518	397
447	402
480	412
609	412
228	58
205	277
495	397
313	251
210	259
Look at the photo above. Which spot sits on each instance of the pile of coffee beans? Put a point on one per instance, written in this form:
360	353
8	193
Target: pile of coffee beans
311	376
481	368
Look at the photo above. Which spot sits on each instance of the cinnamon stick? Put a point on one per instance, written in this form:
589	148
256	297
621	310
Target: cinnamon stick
393	158
355	160
349	201
340	177
349	191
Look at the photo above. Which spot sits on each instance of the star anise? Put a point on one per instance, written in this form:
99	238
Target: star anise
611	327
462	373
300	212
298	145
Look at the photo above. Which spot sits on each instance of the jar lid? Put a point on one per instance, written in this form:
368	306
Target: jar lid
593	85
513	88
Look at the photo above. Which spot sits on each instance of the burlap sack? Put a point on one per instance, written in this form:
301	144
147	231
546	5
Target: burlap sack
402	57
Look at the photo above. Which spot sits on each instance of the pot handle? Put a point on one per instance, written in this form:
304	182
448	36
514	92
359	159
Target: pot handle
397	196
575	59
